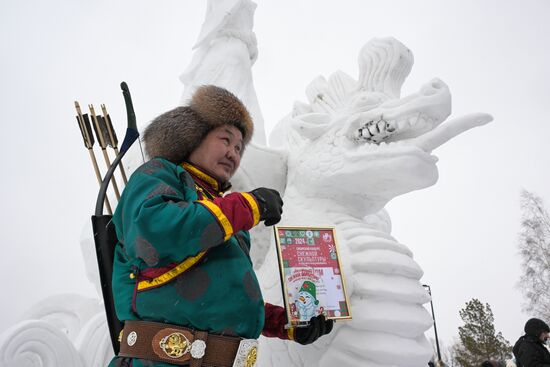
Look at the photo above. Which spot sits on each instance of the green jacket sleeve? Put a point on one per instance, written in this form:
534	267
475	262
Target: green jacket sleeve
160	220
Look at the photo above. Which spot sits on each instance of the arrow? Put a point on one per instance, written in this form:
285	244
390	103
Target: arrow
88	137
113	139
103	138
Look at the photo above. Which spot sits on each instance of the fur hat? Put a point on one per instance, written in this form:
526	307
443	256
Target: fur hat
535	327
176	133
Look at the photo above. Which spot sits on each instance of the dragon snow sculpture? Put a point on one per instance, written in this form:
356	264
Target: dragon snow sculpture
351	149
337	160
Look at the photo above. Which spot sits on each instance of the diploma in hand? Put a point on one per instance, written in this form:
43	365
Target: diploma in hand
311	274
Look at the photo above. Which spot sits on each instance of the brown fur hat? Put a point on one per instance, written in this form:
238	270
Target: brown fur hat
176	133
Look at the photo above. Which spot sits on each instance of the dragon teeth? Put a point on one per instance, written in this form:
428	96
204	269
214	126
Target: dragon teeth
402	124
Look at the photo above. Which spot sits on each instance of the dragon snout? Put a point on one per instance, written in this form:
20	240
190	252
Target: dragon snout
405	118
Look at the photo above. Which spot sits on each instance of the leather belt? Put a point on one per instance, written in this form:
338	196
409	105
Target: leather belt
181	346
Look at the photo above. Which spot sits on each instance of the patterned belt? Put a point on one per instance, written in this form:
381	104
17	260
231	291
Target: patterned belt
182	346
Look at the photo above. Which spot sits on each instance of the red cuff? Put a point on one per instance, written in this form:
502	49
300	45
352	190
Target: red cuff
275	321
238	210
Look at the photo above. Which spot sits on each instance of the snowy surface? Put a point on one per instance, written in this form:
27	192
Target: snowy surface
462	230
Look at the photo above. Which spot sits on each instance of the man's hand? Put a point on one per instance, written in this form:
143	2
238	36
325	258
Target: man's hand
270	203
318	326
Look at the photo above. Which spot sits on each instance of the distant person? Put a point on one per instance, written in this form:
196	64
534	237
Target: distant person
529	350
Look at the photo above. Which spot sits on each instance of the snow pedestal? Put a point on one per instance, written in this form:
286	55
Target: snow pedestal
62	330
37	343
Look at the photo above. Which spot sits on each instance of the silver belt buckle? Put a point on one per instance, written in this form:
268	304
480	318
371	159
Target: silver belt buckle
247	354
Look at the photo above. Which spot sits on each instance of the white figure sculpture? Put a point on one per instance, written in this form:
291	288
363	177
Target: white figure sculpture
227	35
338	160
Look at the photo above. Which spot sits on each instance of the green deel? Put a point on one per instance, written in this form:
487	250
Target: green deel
160	225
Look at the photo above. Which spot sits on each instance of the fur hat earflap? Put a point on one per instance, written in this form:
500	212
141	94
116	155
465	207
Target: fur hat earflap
218	106
176	133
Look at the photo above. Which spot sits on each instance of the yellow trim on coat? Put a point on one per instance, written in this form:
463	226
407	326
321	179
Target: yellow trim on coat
203	176
222	219
254	206
170	274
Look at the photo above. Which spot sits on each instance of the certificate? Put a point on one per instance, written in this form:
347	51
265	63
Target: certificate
311	274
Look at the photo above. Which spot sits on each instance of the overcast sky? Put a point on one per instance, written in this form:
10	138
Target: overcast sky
463	231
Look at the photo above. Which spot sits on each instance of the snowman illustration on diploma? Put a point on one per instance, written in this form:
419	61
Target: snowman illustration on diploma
307	303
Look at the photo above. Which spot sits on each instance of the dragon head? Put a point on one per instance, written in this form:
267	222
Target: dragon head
361	137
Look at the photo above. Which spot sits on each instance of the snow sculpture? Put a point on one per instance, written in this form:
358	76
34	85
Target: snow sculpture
338	159
62	330
351	149
37	343
227	35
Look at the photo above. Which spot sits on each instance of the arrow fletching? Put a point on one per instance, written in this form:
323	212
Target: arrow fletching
84	126
110	130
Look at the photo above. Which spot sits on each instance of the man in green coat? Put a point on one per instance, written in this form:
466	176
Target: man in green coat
183	281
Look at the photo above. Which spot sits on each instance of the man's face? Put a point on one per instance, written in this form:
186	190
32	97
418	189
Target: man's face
544	336
220	152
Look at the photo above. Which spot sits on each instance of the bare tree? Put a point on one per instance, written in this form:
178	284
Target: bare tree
450	353
447	352
534	246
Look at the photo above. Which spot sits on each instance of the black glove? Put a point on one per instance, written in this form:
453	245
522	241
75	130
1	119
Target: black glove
270	203
318	326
